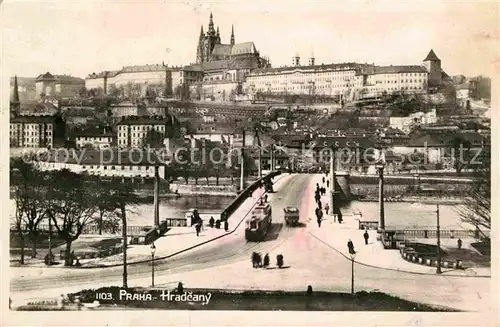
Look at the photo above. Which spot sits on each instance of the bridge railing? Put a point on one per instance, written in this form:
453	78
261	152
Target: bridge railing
153	234
245	194
446	233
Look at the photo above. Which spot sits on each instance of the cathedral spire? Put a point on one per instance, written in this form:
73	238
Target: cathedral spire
14	103
211	30
232	34
202	34
218	36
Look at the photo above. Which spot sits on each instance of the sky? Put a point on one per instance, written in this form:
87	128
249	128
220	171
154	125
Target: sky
82	37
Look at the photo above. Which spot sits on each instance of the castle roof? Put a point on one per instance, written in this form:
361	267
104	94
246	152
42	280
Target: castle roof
290	69
398	69
431	56
243	48
222	50
59	78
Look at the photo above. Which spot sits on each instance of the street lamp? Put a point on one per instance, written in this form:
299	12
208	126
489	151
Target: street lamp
353	256
153	249
380	169
438	234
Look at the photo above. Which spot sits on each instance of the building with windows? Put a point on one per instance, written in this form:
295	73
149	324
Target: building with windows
163	79
63	86
37	131
110	163
131	131
349	81
94	138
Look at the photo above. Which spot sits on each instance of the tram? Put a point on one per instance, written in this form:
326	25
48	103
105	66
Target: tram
257	226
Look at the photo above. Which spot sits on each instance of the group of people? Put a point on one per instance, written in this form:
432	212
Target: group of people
258	262
198	223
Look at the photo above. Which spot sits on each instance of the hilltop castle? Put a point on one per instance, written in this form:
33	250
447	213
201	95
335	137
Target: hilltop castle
211	49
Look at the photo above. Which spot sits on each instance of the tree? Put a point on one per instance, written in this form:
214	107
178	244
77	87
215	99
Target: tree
154	139
71	206
476	210
105	207
460	152
123	195
82	92
29	188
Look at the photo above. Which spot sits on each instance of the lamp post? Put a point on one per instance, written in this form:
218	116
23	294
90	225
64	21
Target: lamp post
380	169
438	234
50	243
153	249
332	182
353	256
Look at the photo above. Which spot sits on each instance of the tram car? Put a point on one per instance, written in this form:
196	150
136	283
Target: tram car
257	226
291	216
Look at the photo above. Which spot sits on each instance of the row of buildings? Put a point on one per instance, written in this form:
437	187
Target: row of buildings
224	69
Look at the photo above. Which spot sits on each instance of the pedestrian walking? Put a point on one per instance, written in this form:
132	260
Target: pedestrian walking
279	260
226	225
323	179
266	260
350	246
459	243
366	236
198	228
327	207
327	183
265	198
211	222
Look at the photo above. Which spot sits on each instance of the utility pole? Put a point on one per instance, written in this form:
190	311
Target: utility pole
50	241
242	161
272	157
260	152
381	197
156	197
438	270
332	182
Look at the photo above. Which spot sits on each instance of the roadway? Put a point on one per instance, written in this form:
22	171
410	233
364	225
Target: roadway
228	249
225	263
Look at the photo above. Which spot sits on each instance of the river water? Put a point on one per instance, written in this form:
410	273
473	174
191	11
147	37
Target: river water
398	215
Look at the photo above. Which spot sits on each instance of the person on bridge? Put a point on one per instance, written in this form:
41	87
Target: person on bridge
323	179
327	207
211	222
319	216
350	246
327	183
366	236
226	225
198	228
266	260
459	243
317	197
265	198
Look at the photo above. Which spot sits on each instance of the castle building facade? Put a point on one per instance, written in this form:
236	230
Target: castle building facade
58	85
350	81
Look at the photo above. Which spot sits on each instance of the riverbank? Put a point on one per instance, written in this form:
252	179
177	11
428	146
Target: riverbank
413	199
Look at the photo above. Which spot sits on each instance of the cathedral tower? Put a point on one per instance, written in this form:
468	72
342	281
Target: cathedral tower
232	34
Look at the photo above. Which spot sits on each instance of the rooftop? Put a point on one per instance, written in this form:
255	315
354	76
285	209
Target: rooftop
35	119
145	120
431	56
107	157
59	78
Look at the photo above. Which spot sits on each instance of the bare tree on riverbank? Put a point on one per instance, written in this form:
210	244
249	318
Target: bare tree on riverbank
29	187
476	210
71	206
